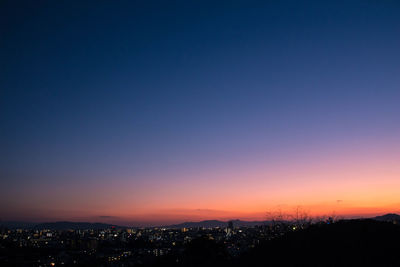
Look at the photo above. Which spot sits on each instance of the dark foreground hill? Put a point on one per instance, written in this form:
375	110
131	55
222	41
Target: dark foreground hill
345	243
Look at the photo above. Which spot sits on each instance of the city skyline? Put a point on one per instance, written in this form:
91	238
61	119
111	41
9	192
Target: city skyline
149	113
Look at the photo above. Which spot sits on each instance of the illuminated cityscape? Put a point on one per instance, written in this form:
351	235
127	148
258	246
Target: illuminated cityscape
120	246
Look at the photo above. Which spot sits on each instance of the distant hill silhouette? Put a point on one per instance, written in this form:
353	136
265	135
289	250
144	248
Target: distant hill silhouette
239	223
217	223
17	224
74	226
63	225
388	217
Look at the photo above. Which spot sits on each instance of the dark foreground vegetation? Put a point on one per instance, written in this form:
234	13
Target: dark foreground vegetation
342	243
345	243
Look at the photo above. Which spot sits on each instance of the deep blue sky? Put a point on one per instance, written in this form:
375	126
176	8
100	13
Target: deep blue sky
136	89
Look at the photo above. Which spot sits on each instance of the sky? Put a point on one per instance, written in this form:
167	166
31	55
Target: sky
158	112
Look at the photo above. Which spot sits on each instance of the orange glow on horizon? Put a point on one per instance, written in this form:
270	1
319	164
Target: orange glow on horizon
351	183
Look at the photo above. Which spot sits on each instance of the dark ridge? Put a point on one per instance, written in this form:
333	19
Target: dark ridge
345	243
390	217
17	224
75	226
217	223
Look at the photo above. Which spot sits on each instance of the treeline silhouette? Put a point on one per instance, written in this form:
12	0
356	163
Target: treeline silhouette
343	243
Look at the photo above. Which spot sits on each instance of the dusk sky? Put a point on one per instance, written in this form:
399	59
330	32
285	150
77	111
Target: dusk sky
158	112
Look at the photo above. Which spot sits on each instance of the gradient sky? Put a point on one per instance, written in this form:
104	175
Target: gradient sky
153	112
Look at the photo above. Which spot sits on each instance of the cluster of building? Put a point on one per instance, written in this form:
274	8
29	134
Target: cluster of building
127	247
